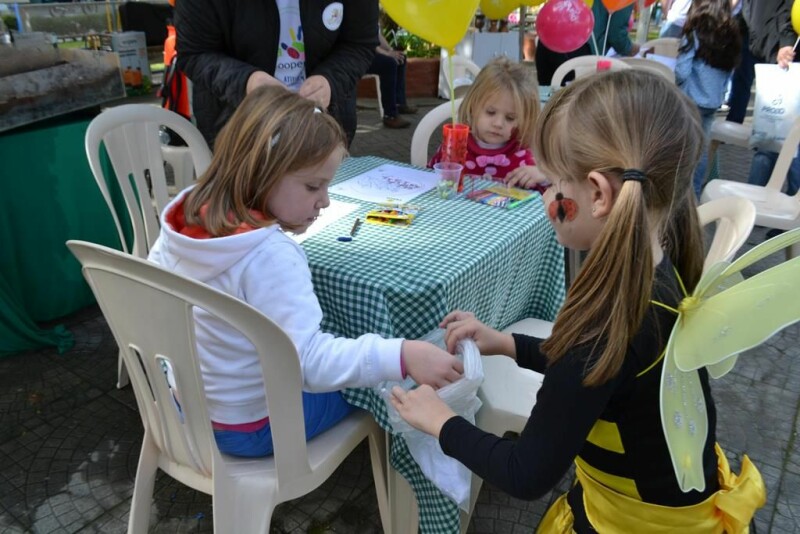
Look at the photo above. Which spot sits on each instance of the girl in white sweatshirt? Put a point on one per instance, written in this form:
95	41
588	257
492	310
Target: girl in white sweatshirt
270	173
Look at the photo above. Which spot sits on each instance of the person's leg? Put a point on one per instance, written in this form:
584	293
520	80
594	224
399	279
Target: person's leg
761	167
699	181
793	178
742	80
386	69
402	104
321	411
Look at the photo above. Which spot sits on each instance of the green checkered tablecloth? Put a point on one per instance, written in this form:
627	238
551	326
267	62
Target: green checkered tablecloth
503	265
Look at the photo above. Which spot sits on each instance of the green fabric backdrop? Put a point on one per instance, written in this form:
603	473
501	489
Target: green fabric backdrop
49	196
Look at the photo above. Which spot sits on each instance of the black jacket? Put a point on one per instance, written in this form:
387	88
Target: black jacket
222	42
770	25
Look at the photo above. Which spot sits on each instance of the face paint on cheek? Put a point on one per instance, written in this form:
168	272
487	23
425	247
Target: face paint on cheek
562	208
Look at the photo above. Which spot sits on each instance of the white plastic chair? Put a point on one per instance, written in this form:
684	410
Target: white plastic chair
664	46
377	80
774	209
130	134
734	218
583	66
723	131
422	134
462	66
150	312
650	65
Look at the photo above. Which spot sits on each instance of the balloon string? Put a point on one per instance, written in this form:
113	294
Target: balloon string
594	42
605	38
794	48
452	85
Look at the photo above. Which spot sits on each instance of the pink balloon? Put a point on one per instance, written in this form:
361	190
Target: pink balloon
564	25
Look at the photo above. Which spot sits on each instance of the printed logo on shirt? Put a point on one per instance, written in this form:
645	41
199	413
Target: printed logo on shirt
333	15
295	48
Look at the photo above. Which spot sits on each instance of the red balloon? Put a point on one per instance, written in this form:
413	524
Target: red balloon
616	5
564	25
648	3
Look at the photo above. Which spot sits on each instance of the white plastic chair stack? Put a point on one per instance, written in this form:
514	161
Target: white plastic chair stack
774	209
150	313
464	73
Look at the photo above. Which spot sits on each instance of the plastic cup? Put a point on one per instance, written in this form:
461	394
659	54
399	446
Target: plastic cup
449	174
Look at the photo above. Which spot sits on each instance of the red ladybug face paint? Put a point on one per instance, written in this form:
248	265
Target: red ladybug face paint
562	208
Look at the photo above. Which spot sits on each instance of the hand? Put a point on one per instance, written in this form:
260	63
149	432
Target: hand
428	364
421	408
460	325
259	78
526	176
634	50
785	56
318	89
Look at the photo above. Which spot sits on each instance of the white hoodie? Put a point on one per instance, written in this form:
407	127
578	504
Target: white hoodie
269	271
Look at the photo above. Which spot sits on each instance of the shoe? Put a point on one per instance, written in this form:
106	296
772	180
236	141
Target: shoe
774	232
724	107
407	110
395	122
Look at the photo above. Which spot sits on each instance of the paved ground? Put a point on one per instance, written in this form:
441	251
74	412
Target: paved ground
69	441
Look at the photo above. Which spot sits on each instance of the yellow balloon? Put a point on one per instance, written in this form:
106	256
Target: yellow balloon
534	3
589	3
442	22
796	16
498	9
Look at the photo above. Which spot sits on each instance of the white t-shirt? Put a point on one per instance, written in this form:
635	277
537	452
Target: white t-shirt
678	11
291	66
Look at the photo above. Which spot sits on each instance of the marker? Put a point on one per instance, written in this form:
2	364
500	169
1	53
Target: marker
353	231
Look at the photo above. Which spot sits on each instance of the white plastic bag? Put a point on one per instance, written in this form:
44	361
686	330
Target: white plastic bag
777	105
448	474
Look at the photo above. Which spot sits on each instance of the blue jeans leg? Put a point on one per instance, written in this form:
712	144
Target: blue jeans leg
386	69
761	170
321	411
699	180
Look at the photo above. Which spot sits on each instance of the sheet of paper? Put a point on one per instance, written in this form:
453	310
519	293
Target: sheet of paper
328	216
387	182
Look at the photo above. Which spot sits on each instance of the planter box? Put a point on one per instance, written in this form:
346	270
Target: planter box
422	79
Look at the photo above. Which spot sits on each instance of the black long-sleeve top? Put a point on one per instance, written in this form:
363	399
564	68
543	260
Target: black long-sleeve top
566	412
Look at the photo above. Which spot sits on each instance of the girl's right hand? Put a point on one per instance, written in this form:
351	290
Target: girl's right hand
461	324
428	364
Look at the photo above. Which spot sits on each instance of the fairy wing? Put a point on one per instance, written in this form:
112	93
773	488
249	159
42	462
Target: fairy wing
725	316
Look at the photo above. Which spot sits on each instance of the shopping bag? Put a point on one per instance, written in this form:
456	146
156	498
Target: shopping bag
448	474
777	105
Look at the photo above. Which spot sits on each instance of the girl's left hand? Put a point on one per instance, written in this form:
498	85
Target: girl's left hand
526	176
422	408
317	89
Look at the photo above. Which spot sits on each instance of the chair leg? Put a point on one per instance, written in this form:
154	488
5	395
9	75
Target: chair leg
377	455
122	373
139	518
378	93
241	506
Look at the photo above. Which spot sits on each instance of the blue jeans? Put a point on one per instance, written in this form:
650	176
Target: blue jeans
699	180
393	82
671	30
761	170
321	410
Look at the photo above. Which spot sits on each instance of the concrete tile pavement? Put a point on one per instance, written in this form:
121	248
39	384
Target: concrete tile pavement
69	440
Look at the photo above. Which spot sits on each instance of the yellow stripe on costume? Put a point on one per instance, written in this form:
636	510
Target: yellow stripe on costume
625	486
605	435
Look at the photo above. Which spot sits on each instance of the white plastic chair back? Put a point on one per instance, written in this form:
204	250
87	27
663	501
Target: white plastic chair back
734	217
150	313
774	209
583	66
377	79
462	68
422	134
650	65
664	46
130	134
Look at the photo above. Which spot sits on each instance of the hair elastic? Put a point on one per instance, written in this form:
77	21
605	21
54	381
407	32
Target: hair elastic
633	174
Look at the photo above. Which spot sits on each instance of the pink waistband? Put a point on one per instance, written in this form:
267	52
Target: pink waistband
242	427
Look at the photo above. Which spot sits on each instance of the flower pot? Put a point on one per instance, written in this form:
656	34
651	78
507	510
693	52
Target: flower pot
422	77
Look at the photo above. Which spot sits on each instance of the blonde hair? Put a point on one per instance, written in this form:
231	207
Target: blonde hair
607	123
502	74
273	132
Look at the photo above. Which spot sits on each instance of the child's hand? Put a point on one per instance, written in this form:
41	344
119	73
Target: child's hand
428	364
421	408
526	176
460	325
